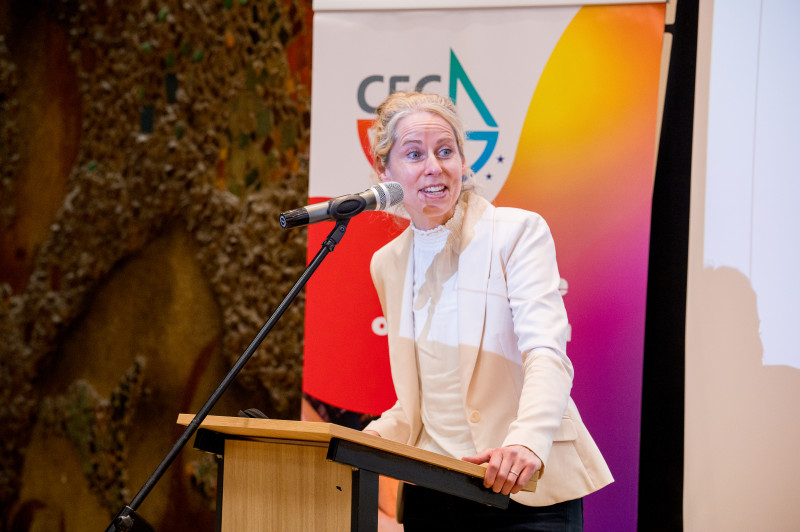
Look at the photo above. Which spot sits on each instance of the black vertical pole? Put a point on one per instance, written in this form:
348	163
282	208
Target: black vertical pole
661	457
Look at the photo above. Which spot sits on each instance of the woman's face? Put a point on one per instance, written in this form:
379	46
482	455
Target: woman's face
426	162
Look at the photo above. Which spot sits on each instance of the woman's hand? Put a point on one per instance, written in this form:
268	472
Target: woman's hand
508	468
372	432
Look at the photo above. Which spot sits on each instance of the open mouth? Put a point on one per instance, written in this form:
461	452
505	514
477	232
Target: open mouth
437	189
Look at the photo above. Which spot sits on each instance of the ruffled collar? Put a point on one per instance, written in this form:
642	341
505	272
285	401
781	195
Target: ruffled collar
451	226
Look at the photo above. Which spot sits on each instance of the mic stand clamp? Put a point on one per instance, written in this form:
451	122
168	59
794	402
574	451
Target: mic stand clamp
128	520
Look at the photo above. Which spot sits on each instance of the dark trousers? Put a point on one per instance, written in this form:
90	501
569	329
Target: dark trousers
428	510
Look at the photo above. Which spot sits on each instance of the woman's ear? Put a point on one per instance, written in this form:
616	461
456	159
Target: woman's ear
381	171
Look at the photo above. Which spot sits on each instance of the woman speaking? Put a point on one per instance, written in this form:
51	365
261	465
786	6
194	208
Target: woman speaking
477	334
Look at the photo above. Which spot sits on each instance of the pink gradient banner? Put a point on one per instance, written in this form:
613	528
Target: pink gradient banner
585	162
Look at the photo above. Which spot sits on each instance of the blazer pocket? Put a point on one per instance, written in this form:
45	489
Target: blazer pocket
567	430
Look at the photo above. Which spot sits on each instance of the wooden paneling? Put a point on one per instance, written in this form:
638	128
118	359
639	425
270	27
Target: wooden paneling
306	492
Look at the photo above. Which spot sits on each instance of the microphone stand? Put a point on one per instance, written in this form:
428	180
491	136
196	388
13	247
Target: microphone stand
126	519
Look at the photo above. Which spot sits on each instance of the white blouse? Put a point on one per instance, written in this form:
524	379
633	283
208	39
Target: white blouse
445	429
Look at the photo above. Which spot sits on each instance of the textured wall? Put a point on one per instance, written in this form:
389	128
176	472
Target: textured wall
146	150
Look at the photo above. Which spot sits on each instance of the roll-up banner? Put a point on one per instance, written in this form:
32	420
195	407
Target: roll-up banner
560	106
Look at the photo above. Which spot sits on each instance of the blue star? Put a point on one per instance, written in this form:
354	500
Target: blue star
500	158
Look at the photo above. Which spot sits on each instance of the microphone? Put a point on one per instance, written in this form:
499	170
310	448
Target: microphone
377	198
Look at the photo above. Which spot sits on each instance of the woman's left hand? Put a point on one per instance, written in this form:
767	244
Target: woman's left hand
508	468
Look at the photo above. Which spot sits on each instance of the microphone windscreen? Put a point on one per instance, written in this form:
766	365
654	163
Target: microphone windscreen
394	192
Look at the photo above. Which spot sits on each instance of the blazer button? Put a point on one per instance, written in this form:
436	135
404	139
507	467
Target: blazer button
475	416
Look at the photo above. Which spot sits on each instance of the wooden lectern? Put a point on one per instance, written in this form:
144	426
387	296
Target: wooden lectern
288	476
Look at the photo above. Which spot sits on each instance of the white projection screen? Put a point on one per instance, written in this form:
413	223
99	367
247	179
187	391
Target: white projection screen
741	466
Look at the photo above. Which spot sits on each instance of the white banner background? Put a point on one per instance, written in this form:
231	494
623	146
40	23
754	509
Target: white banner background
350	46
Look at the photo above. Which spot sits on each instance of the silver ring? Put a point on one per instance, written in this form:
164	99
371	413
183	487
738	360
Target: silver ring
514	472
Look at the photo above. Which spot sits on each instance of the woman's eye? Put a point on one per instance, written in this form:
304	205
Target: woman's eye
414	155
445	152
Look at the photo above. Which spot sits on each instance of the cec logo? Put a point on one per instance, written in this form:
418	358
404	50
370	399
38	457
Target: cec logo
458	76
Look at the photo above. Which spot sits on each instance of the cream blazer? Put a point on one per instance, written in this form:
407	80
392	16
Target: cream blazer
512	329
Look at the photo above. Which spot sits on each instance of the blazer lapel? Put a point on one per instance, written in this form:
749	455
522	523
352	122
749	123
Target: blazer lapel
398	285
474	264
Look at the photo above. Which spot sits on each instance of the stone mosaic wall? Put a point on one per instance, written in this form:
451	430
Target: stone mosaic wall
122	123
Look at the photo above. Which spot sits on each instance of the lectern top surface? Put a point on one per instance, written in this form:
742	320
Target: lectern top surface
312	431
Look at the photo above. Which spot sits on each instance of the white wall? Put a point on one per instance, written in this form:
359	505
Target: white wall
742	356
